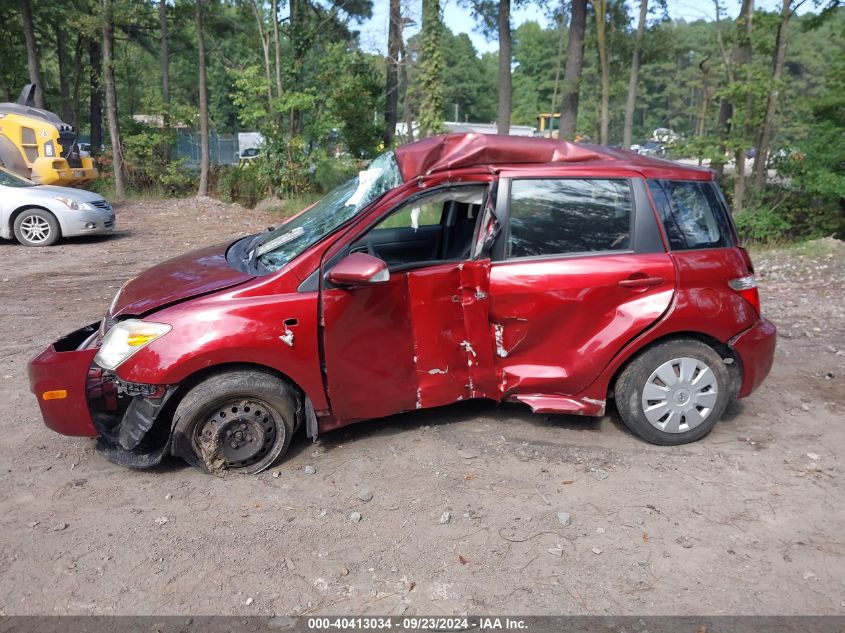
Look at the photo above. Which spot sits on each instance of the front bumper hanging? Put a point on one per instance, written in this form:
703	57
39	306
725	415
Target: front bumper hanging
78	398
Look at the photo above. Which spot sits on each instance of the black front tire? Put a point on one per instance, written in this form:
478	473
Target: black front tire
632	382
239	421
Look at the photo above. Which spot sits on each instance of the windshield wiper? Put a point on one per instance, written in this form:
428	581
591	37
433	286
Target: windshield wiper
275	243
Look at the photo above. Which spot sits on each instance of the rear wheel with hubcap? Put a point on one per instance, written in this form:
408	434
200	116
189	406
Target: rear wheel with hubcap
674	392
240	421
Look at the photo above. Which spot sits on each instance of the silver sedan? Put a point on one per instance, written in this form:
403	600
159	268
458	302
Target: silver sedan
40	215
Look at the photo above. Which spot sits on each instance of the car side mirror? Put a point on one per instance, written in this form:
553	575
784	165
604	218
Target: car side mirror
359	269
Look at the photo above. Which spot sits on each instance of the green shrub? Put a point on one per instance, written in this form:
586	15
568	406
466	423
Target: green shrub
331	172
785	216
762	224
285	165
245	185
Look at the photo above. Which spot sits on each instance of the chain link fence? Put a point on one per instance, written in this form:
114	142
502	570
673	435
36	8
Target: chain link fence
223	149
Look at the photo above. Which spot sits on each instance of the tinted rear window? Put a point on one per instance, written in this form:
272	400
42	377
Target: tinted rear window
567	215
692	214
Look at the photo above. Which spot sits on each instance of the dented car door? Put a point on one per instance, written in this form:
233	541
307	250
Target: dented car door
420	340
580	271
422	337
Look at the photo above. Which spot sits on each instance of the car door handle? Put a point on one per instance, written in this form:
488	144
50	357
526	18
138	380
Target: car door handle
640	282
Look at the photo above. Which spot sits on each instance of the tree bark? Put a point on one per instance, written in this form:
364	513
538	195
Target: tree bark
406	95
743	62
765	131
111	99
77	81
31	52
277	44
600	7
630	104
164	53
574	65
557	84
726	109
96	108
205	160
701	124
503	21
64	76
264	36
391	107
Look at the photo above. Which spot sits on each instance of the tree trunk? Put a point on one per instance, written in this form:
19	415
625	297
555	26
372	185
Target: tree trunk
111	99
557	83
743	62
574	65
164	54
264	36
77	81
65	75
277	44
205	161
31	52
600	7
765	131
726	109
295	44
406	95
503	21
394	43
632	82
96	109
701	124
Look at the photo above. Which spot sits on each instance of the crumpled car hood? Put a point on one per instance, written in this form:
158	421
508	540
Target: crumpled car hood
184	277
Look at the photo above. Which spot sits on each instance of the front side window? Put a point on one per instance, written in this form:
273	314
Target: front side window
692	214
564	216
435	227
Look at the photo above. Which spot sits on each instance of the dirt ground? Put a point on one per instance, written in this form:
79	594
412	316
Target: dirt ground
747	521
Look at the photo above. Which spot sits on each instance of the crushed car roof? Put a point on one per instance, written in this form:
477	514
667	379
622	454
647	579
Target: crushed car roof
456	151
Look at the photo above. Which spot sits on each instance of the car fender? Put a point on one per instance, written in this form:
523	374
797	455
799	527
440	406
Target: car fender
688	315
275	331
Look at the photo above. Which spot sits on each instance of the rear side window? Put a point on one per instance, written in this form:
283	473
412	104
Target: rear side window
692	214
567	215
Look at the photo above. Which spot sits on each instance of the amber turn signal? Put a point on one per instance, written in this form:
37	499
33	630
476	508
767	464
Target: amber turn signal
57	394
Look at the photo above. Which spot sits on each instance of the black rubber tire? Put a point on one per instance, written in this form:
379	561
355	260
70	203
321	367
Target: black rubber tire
631	382
277	396
55	230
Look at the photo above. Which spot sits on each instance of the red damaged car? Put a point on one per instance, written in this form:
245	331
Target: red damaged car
462	266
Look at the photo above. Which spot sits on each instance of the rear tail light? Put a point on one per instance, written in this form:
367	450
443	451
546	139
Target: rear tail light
746	287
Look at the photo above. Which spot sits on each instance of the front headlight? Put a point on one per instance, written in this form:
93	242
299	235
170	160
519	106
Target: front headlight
125	338
75	205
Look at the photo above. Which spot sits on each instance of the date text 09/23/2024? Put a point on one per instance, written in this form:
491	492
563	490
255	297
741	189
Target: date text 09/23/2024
417	623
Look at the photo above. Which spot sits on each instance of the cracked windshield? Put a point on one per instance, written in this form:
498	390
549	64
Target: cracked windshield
277	248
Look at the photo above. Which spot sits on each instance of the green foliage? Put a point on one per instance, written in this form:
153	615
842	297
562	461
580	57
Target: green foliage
245	185
431	70
248	89
762	225
469	81
285	165
332	171
787	213
145	150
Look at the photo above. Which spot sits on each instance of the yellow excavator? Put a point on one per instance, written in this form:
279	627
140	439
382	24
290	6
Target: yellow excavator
38	145
548	124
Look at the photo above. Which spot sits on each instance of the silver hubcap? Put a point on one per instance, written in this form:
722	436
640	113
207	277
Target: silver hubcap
679	395
35	229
